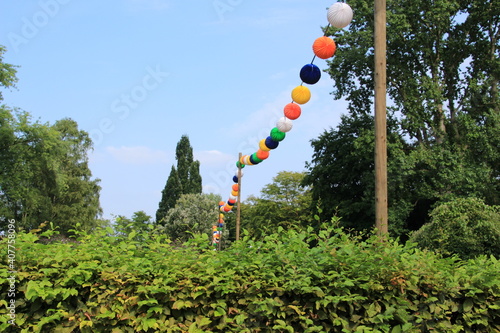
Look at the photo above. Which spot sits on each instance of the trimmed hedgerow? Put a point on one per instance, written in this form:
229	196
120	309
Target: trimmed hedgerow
281	283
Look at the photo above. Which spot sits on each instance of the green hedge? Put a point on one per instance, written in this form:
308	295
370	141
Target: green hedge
279	284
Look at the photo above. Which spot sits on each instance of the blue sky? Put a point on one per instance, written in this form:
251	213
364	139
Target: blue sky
139	74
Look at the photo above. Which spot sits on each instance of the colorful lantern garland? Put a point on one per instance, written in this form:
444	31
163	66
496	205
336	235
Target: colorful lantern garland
339	16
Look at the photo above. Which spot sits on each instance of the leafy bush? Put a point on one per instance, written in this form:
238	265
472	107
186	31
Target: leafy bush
193	213
465	226
276	284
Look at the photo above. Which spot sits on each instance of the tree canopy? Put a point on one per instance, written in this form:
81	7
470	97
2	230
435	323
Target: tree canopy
443	68
283	203
45	174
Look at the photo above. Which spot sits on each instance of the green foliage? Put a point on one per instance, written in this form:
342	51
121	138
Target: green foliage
435	70
45	174
184	179
443	131
283	203
466	227
341	174
8	72
192	214
169	195
275	284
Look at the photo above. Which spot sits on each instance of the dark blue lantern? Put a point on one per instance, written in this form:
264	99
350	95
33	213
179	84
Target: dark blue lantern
310	74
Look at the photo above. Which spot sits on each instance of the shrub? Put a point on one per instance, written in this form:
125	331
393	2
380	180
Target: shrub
275	284
466	227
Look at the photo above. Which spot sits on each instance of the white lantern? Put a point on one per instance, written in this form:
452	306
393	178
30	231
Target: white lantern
340	15
284	124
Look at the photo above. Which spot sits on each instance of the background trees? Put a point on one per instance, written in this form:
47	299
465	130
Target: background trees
184	179
443	69
45	174
139	222
285	202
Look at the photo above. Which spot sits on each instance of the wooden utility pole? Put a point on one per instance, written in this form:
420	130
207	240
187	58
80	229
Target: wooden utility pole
381	211
238	208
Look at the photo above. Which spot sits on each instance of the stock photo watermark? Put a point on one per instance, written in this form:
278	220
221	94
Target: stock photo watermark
12	270
221	7
32	25
122	106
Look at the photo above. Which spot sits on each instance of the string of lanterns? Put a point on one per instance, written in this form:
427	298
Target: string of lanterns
339	15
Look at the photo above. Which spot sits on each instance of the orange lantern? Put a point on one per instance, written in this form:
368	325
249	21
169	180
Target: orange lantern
292	111
262	154
324	47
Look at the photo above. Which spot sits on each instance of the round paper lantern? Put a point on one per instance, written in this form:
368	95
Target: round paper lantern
324	47
292	111
231	202
262	145
221	216
310	74
222	203
254	159
221	208
221	225
235	187
301	95
262	154
277	135
339	15
240	165
284	124
271	144
247	161
234	193
235	179
233	197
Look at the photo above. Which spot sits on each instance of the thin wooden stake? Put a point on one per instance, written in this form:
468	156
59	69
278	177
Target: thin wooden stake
238	208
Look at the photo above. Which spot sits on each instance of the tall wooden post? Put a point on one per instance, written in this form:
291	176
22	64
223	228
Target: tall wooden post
381	211
238	208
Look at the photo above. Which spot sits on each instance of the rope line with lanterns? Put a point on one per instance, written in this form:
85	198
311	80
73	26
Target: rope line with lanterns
339	15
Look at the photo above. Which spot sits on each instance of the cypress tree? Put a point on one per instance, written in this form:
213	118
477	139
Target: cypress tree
169	196
184	179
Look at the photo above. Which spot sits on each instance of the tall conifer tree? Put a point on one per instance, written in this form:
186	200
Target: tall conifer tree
184	179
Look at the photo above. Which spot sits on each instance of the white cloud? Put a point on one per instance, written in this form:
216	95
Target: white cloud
138	155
